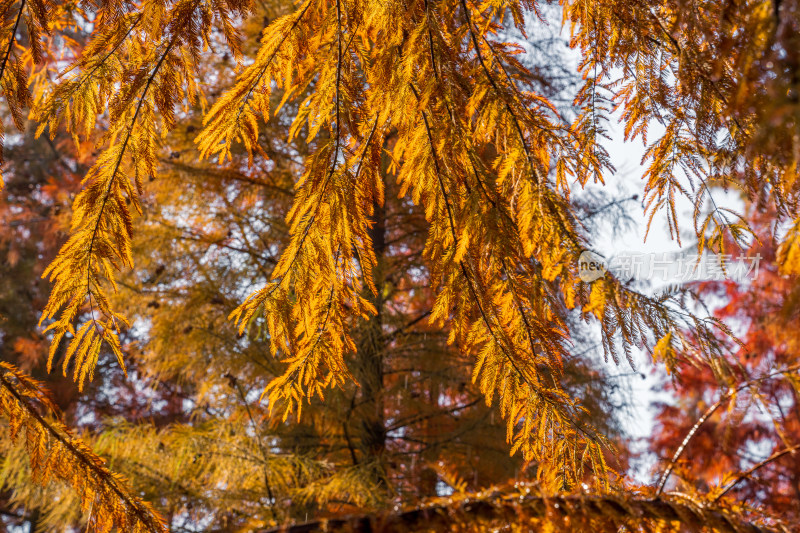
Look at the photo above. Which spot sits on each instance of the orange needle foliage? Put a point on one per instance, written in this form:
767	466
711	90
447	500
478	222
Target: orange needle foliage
434	92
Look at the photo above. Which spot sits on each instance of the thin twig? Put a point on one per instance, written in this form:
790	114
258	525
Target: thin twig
749	472
710	411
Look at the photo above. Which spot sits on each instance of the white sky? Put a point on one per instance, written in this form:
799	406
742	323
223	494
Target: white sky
626	158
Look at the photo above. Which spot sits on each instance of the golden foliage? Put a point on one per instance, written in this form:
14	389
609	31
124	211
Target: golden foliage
153	81
436	90
217	465
56	454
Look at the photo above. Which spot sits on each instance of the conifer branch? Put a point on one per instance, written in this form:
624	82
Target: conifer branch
463	268
12	105
421	417
338	138
11	39
476	297
524	316
299	247
554	211
681	53
107	192
88	75
501	94
268	63
321	331
22	413
482	186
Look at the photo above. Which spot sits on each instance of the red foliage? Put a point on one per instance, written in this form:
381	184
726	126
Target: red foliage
762	418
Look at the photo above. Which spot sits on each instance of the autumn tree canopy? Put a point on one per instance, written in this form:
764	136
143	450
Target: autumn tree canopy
317	259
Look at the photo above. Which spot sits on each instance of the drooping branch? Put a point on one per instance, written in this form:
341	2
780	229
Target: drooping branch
67	458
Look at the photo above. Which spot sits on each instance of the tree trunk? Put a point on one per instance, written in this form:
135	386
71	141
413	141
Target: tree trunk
369	367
